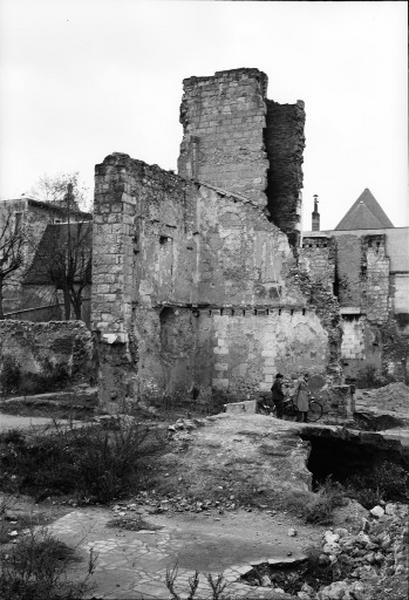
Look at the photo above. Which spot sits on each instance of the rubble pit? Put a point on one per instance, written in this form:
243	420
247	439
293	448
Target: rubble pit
347	455
293	576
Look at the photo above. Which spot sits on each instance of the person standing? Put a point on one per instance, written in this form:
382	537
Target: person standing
278	395
302	399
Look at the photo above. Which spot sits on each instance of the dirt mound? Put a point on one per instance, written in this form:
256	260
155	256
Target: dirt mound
393	397
242	460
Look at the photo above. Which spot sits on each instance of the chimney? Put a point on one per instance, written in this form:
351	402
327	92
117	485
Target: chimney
315	215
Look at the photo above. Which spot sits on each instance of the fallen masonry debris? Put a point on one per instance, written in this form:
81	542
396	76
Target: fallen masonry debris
347	566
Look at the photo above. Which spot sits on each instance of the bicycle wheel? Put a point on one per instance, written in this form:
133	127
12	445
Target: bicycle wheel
314	411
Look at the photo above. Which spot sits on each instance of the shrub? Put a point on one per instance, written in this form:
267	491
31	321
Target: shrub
53	378
34	569
386	481
95	464
329	496
10	375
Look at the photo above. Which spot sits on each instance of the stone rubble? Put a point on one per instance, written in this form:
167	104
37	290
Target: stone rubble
361	562
374	555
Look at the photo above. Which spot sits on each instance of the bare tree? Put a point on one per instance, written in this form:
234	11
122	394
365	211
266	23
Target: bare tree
69	265
12	241
51	188
63	257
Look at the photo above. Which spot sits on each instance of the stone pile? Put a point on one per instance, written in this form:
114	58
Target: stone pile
369	558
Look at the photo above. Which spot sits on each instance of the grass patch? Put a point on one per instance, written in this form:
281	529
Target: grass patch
91	463
132	523
34	569
316	508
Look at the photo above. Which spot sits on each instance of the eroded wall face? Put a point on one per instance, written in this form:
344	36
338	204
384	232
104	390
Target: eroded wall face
358	268
237	140
166	252
251	348
349	271
377	284
285	142
223	119
54	352
318	259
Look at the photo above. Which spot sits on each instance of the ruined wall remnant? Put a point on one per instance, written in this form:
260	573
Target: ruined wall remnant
350	270
237	140
377	278
357	266
45	352
181	273
285	141
318	259
252	346
223	118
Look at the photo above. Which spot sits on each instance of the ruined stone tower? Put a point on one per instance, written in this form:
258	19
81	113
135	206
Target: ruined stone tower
237	140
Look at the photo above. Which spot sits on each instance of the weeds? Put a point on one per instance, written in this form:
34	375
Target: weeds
217	584
14	380
330	496
385	481
95	464
132	523
34	569
10	375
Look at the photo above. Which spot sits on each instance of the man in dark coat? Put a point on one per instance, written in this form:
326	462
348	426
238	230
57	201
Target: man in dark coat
278	394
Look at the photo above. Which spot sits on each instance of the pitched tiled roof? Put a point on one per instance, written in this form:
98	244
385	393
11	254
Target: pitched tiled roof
365	213
50	253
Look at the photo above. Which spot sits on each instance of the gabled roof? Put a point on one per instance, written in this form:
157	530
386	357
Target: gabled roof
365	213
51	253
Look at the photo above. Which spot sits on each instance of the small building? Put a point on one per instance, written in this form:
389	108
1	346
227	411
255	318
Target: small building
365	261
61	268
20	301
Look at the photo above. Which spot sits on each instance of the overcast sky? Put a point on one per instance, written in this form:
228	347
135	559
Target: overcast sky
81	79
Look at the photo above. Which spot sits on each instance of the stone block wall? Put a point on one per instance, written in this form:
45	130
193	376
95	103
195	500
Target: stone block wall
400	284
285	141
253	346
223	118
166	252
47	349
238	141
318	258
377	288
353	337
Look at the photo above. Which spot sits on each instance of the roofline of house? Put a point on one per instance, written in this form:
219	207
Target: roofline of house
47	205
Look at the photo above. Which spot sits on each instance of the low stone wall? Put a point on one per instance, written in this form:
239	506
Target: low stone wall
40	357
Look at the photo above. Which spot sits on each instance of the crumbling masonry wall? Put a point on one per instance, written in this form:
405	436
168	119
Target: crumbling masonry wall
46	350
284	139
237	140
223	118
357	268
184	275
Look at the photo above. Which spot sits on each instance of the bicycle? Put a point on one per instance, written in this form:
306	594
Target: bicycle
315	409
